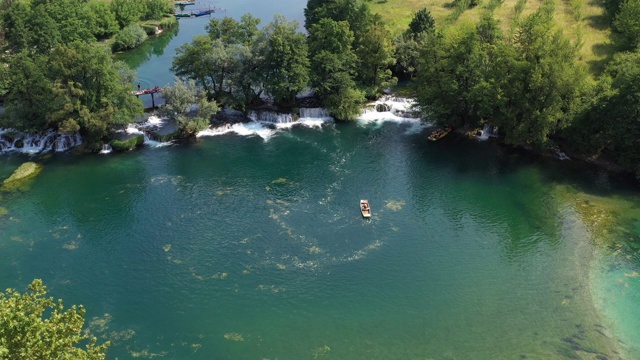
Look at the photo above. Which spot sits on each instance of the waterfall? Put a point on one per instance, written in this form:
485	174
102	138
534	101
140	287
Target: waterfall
106	149
397	106
488	131
270	117
37	143
315	113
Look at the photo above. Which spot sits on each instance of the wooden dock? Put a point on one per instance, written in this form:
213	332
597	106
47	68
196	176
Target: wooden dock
149	91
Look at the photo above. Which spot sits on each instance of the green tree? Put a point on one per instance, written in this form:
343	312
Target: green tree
128	11
89	92
100	19
44	30
17	20
448	74
230	31
421	22
333	68
29	97
25	332
286	65
156	9
627	23
130	37
188	105
611	123
376	56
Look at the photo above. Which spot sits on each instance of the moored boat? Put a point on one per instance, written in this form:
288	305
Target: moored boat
440	133
365	209
185	3
183	15
203	12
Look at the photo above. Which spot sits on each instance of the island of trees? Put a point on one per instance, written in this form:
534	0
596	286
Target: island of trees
524	76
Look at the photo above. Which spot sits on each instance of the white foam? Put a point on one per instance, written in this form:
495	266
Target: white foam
133	130
242	129
396	108
37	143
155	144
106	149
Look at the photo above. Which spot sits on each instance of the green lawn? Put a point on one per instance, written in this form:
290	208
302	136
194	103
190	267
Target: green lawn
583	21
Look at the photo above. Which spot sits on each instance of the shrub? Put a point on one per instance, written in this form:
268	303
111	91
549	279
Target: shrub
129	37
126	145
168	22
150	29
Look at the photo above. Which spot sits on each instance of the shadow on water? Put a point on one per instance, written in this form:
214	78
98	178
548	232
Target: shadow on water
489	179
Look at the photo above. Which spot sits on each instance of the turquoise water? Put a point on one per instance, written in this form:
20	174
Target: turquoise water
240	248
248	247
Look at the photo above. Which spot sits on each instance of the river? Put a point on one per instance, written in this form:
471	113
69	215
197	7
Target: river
250	245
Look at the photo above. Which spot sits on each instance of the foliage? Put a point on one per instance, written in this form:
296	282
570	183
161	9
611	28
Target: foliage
230	31
422	22
371	41
188	106
168	22
29	97
128	11
4	78
25	333
530	88
611	122
333	65
286	63
376	56
129	37
156	9
627	22
126	145
72	88
100	19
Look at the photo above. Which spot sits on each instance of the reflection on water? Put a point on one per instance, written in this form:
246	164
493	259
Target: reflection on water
240	248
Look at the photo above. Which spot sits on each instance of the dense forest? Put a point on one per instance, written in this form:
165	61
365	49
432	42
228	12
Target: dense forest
56	69
528	81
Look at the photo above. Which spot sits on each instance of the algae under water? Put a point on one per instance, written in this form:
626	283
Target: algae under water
241	248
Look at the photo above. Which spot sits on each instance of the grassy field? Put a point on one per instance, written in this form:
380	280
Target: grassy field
582	21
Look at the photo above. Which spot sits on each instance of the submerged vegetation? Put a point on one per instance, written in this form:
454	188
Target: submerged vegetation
23	173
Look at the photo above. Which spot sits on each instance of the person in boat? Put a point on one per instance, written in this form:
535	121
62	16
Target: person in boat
365	207
138	86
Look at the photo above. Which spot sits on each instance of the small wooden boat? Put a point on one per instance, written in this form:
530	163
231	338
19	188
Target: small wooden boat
365	209
203	13
440	133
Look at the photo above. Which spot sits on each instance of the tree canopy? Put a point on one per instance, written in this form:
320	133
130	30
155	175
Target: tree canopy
34	326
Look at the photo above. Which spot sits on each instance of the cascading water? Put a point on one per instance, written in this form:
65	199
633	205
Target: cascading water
487	132
106	149
37	143
314	113
270	117
398	106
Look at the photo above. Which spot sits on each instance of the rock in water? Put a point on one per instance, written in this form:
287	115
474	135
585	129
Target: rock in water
25	172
